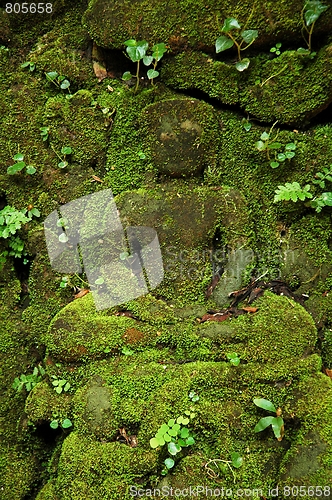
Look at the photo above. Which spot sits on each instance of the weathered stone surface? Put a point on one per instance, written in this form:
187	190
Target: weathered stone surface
194	24
290	88
182	135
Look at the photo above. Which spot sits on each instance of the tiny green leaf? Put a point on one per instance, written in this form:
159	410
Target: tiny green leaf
99	281
249	35
242	65
63	238
265	404
277	424
18	157
152	74
169	462
237	460
190	441
52	75
54	424
173	448
263	423
126	76
147	60
65	84
66	423
130	43
62	164
223	43
66	150
274	164
230	24
265	136
260	145
30	169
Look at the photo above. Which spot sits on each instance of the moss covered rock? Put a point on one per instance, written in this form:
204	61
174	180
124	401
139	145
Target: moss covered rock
194	24
182	136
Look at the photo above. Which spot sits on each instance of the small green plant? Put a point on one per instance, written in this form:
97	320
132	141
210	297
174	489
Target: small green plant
310	13
60	81
65	424
141	155
137	52
65	151
246	124
276	422
29	381
193	396
20	165
268	144
292	191
322	177
11	220
236	36
276	49
233	358
45	133
30	65
262	83
176	435
127	352
60	385
219	467
319	202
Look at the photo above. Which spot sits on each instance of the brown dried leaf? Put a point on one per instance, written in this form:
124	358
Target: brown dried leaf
81	293
212	285
100	71
250	309
215	317
95	178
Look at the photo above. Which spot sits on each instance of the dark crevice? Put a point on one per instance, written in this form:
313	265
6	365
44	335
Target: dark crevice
3	201
322	118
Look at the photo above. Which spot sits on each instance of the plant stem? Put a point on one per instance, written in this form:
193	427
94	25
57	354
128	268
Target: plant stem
272	76
137	77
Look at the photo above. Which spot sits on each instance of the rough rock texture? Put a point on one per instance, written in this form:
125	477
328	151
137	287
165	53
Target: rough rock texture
180	156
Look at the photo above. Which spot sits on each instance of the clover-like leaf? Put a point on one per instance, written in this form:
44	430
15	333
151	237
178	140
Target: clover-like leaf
54	424
65	84
169	462
154	442
173	448
66	150
66	423
30	169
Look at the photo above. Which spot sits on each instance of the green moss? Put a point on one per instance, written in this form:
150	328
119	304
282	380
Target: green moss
215	78
111	461
193	24
18	470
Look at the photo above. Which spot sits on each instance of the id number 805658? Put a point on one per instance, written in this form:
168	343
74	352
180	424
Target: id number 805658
29	8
